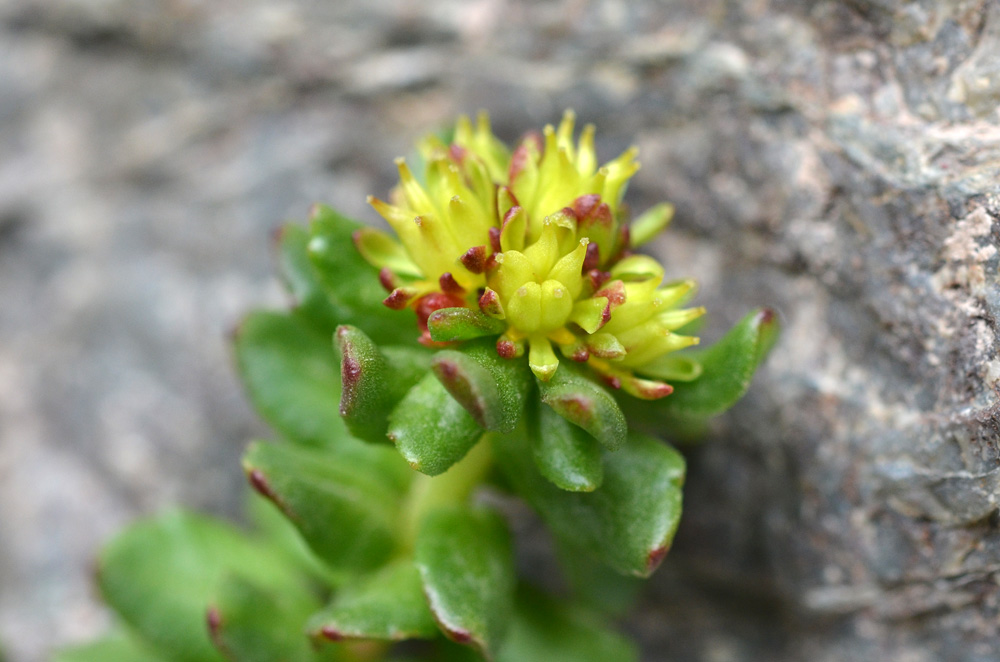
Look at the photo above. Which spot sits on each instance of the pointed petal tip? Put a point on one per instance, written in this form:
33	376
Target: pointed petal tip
544	372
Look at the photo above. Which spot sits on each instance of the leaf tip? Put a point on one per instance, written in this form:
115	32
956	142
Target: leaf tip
214	621
259	482
278	234
350	374
236	330
655	557
461	636
460	384
331	633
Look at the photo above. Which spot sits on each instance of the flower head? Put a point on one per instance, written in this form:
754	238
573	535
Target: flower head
532	246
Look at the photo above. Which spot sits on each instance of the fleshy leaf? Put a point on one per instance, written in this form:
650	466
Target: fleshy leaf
302	281
350	282
374	381
727	367
161	574
566	454
249	624
545	629
430	429
359	489
467	567
291	375
388	605
449	324
629	522
273	528
594	584
492	389
586	404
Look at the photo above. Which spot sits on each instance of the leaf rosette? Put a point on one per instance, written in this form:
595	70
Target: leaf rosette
507	307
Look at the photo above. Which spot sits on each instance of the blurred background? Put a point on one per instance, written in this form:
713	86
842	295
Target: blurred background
838	160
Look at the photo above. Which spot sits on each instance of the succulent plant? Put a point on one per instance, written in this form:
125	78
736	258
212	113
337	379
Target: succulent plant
507	337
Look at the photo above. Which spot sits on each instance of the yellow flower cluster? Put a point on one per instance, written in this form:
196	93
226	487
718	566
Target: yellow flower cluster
536	238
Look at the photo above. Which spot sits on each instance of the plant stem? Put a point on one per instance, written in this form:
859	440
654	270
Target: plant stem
452	487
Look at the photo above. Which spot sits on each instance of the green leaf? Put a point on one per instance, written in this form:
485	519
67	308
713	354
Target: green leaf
727	367
544	629
302	281
161	574
629	523
447	324
594	584
346	504
352	283
292	376
565	454
118	647
388	605
467	567
249	624
374	381
430	429
586	404
492	389
272	528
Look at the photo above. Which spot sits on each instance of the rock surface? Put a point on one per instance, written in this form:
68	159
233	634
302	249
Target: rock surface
839	161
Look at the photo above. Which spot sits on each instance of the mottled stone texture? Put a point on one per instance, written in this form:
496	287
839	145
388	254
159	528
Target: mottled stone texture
836	160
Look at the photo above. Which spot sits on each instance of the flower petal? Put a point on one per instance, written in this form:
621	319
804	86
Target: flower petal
541	358
380	250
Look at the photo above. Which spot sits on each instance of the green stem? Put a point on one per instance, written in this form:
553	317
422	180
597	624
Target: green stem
452	487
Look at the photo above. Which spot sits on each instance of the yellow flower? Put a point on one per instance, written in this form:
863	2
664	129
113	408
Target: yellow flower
537	239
